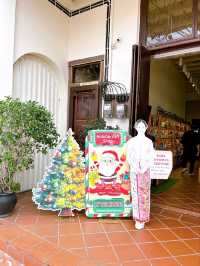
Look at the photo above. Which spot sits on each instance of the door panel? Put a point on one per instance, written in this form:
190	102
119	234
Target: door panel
140	85
85	107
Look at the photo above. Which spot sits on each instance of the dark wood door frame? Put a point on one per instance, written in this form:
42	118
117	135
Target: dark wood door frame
75	87
87	88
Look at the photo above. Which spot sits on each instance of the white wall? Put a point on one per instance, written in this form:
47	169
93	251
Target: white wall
7	28
87	39
88	34
168	87
125	24
42	28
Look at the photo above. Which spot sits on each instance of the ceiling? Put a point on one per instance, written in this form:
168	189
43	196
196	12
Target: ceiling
75	4
190	67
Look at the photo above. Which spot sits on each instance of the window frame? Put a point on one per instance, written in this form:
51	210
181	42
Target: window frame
172	43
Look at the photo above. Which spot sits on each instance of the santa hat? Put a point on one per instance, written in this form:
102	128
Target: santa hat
113	153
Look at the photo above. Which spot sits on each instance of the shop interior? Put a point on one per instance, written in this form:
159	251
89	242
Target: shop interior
174	97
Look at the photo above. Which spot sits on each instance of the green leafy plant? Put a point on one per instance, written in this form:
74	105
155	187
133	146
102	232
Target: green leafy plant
26	128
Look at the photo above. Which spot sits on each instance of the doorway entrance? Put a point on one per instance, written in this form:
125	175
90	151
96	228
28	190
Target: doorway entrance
85	93
174	95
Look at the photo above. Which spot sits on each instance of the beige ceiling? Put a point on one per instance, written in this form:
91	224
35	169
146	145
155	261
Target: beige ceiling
190	66
75	4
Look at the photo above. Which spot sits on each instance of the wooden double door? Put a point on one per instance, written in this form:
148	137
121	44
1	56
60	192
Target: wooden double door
84	106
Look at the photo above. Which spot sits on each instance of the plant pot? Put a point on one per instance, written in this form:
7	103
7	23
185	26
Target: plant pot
7	203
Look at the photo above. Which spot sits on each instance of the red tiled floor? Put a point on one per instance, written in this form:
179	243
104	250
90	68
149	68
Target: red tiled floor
117	238
142	236
194	244
177	248
137	263
71	241
154	250
128	252
163	234
34	236
164	262
113	227
192	260
184	234
99	239
102	254
92	228
7	260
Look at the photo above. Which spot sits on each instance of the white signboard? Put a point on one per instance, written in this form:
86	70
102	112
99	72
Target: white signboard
162	165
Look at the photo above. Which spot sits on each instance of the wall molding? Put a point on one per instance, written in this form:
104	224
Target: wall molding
72	13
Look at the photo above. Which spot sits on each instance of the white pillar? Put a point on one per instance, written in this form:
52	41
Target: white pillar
7	30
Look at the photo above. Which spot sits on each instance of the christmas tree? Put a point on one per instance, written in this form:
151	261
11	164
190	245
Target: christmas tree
62	187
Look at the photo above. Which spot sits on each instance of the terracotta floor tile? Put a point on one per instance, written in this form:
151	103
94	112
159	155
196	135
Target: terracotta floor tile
26	220
164	262
71	241
195	229
81	252
163	234
129	224
118	227
99	239
194	244
32	261
128	252
172	223
92	228
45	229
26	241
69	228
192	260
120	238
177	248
169	213
43	251
154	223
137	263
16	253
191	219
142	236
88	262
154	250
184	233
102	254
10	232
52	239
63	258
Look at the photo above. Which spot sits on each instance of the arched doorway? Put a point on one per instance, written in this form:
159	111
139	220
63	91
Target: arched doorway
37	78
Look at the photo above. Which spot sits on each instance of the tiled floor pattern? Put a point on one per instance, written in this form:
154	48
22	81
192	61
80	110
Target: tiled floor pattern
172	237
6	260
42	238
185	195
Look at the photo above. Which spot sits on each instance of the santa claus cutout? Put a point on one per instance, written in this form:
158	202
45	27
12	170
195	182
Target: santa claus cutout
108	167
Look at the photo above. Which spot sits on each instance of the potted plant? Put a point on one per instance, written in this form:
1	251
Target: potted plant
25	129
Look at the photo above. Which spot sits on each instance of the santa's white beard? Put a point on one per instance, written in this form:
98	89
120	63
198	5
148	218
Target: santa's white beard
106	170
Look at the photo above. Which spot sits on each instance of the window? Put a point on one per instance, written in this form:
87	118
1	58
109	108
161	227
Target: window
86	73
169	21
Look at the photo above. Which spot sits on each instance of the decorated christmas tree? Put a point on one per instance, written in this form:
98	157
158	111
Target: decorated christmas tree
62	187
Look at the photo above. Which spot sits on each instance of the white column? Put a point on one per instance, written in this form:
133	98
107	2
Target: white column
7	30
